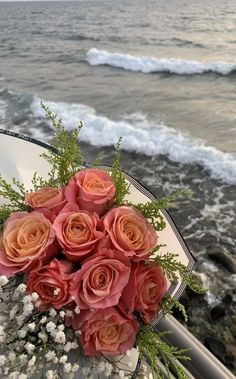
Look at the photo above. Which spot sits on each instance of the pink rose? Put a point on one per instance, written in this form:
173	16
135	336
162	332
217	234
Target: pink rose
100	281
145	290
77	232
51	283
108	331
28	242
51	198
129	231
92	190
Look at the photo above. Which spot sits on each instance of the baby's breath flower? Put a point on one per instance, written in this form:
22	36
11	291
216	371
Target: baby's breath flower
61	327
23	376
75	367
32	326
67	347
13	311
43	336
3	280
67	368
14	375
101	367
20	320
50	355
50	374
2	360
62	314
22	333
74	345
6	370
60	337
29	347
21	288
27	309
23	359
11	356
34	296
32	361
50	326
108	369
63	359
43	320
52	312
26	299
77	310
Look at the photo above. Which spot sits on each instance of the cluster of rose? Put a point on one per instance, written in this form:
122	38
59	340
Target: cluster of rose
78	251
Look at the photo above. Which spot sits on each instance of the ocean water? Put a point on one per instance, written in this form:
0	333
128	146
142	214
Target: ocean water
160	74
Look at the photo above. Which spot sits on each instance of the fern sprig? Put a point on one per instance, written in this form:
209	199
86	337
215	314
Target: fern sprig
151	345
66	157
13	192
169	303
172	268
118	177
151	210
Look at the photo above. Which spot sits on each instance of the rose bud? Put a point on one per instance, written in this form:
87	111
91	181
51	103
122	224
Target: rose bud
92	190
51	198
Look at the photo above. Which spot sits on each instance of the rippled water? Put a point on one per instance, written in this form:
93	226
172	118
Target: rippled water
162	75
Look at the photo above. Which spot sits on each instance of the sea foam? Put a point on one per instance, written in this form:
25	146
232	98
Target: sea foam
148	65
142	136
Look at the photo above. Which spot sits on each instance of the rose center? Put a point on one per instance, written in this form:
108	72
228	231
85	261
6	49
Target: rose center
109	334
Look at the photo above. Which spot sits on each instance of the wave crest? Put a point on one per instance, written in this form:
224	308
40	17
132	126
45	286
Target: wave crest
151	64
142	136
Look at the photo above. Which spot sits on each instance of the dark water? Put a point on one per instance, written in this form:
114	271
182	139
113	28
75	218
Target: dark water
163	76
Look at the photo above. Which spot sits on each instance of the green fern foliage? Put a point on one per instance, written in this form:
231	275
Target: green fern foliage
66	158
118	177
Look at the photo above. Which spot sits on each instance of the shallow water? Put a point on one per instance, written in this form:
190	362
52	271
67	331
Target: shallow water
170	92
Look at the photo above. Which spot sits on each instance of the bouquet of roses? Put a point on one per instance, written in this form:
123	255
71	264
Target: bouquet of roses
81	274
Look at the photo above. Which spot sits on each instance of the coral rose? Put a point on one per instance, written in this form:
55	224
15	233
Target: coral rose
28	242
92	190
77	232
145	290
51	283
129	231
51	198
108	331
100	281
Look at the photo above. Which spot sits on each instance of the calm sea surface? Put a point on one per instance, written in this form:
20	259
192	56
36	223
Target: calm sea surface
162	74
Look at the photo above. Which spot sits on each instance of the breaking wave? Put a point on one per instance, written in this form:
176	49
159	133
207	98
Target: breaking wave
151	64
